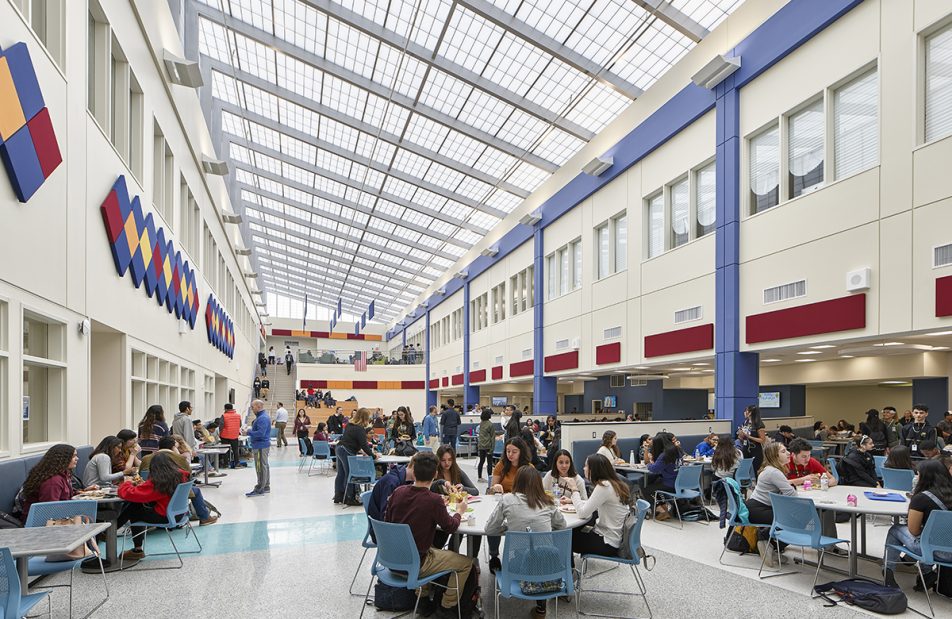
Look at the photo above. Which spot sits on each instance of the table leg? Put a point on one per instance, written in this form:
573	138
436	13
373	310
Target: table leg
23	569
863	535
205	472
853	540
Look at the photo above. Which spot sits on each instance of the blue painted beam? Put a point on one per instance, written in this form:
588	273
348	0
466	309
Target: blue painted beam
430	393
544	388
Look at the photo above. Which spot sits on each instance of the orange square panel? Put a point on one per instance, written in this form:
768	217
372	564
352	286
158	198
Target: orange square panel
11	112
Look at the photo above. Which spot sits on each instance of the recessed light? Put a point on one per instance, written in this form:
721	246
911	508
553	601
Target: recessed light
709	371
892	382
940	348
701	364
809	352
804	360
823	346
940	333
889	344
846	356
642	367
680	369
769	360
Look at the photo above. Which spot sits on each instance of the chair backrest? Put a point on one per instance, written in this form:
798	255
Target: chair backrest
745	470
795	515
634	539
880	462
814	443
365	499
936	535
689	478
361	467
833	470
497	447
144	474
41	512
818	453
178	504
10	593
322	448
898	479
733	505
396	549
424	448
537	557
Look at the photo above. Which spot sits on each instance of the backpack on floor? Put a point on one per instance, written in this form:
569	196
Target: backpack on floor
744	540
393	598
469	604
943	585
866	594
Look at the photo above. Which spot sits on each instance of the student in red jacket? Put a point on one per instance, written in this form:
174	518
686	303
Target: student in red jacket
148	500
51	478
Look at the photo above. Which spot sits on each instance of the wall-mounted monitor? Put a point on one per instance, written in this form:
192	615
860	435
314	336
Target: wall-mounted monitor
769	399
610	401
500	400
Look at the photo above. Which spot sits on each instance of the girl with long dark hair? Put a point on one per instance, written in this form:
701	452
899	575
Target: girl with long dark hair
610	499
563	474
666	460
609	447
51	478
515	455
152	428
875	429
753	436
99	469
149	500
450	474
899	458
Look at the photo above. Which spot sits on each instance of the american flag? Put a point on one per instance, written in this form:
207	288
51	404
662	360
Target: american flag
360	361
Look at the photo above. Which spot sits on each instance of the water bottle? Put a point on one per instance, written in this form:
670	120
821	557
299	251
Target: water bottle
556	490
824	482
631	457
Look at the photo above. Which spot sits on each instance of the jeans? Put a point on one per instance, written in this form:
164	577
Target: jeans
198	502
235	454
591	543
262	469
139	512
446	560
342	490
450	439
899	535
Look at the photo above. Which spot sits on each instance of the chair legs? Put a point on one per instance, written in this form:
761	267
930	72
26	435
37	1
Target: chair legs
363	606
922	579
178	553
639	582
357	571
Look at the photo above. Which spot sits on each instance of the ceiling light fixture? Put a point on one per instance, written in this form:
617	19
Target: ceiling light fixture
598	166
769	360
823	346
804	360
809	352
531	219
940	333
716	71
490	252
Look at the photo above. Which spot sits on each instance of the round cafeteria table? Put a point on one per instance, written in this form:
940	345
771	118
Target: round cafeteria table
483	507
834	500
392	460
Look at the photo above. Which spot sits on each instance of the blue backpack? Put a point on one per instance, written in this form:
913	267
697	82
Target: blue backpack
866	594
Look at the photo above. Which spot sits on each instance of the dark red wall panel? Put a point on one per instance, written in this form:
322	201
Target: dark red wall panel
842	314
561	361
446	381
281	332
457	379
700	337
364	384
313	384
521	368
943	296
497	372
434	383
412	384
477	376
608	353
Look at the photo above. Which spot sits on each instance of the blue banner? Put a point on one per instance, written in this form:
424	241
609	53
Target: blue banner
340	308
356	328
363	320
370	310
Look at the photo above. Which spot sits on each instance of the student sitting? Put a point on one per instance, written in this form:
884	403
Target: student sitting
397	476
527	508
50	479
563	475
899	458
609	448
804	467
148	501
724	463
610	499
424	511
785	435
644	449
129	452
449	476
705	449
98	471
666	460
168	444
933	492
929	449
820	432
771	479
515	455
857	468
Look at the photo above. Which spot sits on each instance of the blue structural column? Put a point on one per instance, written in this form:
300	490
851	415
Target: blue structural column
736	372
545	398
470	392
430	393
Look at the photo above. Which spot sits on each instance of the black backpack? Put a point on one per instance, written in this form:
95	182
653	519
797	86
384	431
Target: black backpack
866	594
469	599
404	448
393	598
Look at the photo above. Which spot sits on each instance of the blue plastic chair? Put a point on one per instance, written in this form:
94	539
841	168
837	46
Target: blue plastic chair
833	470
734	519
796	522
39	514
687	485
898	479
302	446
634	546
322	455
535	557
880	462
497	449
815	444
398	563
936	537
144	475
744	474
424	448
361	471
12	600
367	542
177	515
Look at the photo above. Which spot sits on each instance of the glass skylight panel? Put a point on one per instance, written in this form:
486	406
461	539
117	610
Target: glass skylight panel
328	186
468	237
445	93
258	101
429	199
337	133
599	106
463	148
394	69
605	30
255	58
404	233
266	163
456	210
425	132
657	49
233	124
399	188
441	227
494	163
300	24
429	22
213	40
708	13
408	162
556	19
454	250
298	77
297	212
473	189
333	163
341	96
522	130
557	86
470	40
302	151
558	146
264	136
529	176
298	174
239	154
297	117
349	48
516	64
224	88
254	12
483	220
398	246
428	241
298	196
372	148
485	112
327	206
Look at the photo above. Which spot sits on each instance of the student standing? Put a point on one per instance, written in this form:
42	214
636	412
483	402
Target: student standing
486	442
230	431
182	424
260	442
152	428
431	430
256	386
288	360
919	430
280	423
271	357
352	443
450	421
753	436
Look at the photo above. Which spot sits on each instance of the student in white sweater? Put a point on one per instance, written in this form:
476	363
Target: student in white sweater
526	508
99	470
610	499
772	479
563	473
609	448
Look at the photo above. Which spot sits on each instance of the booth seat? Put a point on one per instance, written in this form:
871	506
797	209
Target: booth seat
583	449
13	473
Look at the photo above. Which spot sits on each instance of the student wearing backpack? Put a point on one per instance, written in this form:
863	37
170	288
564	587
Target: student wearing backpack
526	508
933	492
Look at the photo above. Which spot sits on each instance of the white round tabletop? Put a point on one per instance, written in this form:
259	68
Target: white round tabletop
393	459
483	507
834	499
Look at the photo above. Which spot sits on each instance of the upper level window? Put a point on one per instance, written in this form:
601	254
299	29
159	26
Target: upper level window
938	84
764	149
680	213
602	243
611	239
856	125
562	269
620	238
805	149
44	379
47	19
655	225
705	197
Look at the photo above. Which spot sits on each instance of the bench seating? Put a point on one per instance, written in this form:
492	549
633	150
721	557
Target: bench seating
13	473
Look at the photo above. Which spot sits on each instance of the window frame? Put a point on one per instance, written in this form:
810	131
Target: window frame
51	365
942	26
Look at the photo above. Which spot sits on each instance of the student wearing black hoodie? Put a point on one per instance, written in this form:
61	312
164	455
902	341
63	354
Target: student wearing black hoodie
858	467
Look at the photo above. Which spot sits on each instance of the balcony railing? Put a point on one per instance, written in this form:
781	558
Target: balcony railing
347	357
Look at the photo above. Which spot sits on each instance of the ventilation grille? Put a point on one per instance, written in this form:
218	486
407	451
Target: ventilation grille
475	365
639	382
612	332
617	380
942	256
499	360
527	353
687	315
785	291
561	344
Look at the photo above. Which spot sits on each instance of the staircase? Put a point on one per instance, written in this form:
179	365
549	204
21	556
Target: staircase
282	387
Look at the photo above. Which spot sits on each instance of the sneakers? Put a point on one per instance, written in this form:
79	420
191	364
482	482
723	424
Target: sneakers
254	493
266	491
889	579
134	554
494	564
352	502
208	521
481	479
